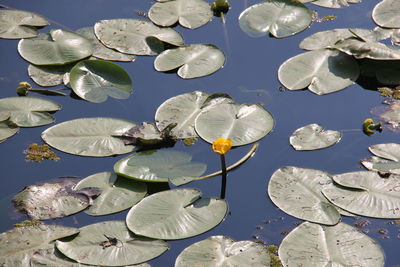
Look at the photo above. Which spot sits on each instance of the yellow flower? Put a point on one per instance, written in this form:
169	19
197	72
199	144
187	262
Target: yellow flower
222	145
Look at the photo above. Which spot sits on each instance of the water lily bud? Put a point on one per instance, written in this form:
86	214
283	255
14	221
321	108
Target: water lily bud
23	89
222	145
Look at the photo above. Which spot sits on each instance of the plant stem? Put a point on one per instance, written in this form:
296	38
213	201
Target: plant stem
223	181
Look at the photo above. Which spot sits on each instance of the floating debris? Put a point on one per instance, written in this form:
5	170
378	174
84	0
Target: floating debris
37	153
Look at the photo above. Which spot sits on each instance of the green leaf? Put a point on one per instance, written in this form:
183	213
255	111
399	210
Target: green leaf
159	166
100	50
117	193
93	137
387	14
315	245
110	243
50	200
95	80
358	190
29	111
6	130
388	160
297	191
281	18
55	48
218	251
175	214
18	245
133	36
48	75
334	3
322	71
16	24
192	61
183	110
243	124
313	136
189	13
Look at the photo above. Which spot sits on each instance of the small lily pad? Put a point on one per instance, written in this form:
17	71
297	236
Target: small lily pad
48	75
313	136
315	245
17	24
117	193
281	18
189	13
95	80
243	124
55	48
321	71
223	251
192	61
29	111
358	190
159	166
297	191
388	160
110	243
175	214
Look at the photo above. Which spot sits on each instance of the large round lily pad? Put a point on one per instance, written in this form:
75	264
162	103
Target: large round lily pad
189	13
160	166
117	193
297	191
110	243
219	251
18	245
192	61
16	24
133	36
243	124
55	48
183	110
387	14
175	214
95	80
95	137
315	245
313	136
366	193
29	111
281	18
322	71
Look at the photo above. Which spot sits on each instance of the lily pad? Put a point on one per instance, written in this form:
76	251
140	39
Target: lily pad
29	111
52	257
218	251
382	166
175	214
93	137
281	18
335	3
391	114
55	48
18	245
297	191
189	13
386	14
95	80
117	193
110	243
313	136
48	75
6	128
243	124
51	200
183	110
101	51
322	71
160	166
366	193
388	160
192	61
133	36
316	245
16	24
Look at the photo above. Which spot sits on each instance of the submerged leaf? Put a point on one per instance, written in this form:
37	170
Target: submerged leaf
313	136
189	13
223	251
281	18
16	24
192	61
175	214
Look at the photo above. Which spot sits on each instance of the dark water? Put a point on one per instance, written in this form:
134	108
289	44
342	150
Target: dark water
252	64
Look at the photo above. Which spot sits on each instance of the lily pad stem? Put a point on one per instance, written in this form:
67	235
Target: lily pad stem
223	181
